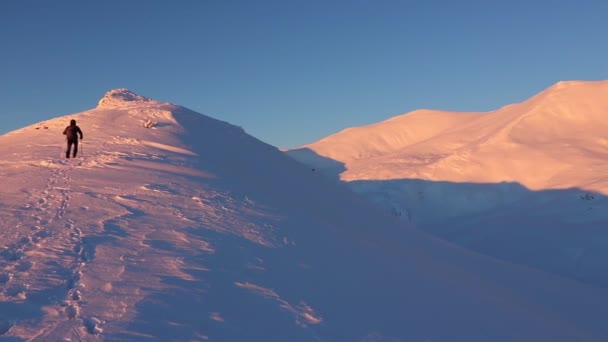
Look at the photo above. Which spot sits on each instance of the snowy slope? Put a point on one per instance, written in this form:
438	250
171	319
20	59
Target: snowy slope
526	183
192	230
557	139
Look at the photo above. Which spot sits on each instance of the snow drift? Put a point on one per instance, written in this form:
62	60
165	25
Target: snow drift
190	229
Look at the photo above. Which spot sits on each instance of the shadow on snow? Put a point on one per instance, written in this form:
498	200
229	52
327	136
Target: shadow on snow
560	231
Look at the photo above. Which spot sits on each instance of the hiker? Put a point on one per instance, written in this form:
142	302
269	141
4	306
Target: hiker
71	132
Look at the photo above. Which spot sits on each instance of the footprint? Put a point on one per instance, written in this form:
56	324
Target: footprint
24	266
87	254
41	235
76	295
74	280
17	290
92	325
11	255
72	311
24	240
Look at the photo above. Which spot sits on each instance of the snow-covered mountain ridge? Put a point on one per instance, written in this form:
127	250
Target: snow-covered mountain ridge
554	140
526	183
191	230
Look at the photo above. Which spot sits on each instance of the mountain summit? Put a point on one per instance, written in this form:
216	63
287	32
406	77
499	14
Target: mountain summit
193	230
121	96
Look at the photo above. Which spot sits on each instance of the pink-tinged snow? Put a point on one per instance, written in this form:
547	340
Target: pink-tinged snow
192	230
527	183
557	139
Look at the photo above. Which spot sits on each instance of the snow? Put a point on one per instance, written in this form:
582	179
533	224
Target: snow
192	230
120	98
526	183
554	140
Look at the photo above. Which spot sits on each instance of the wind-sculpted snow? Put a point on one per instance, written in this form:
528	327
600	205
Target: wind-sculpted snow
120	98
192	230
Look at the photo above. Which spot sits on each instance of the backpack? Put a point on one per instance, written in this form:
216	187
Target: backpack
71	132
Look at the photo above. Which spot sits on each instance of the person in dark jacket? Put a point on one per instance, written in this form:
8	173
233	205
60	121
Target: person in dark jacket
72	132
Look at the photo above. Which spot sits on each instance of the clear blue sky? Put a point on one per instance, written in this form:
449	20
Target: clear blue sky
293	71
